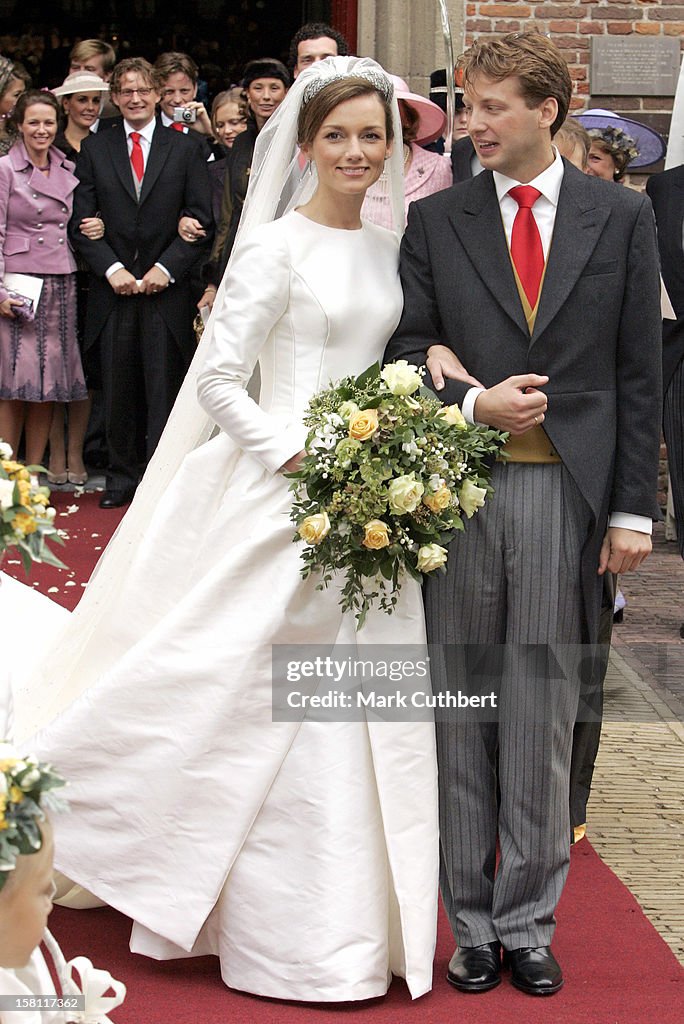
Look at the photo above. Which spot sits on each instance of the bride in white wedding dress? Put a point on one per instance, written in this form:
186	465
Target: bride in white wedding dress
303	854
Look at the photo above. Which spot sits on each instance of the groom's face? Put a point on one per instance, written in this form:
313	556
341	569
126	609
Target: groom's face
509	136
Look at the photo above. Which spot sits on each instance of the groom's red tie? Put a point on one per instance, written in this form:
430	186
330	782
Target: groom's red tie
526	245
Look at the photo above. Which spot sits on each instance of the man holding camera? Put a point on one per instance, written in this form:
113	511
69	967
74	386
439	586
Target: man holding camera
177	76
140	178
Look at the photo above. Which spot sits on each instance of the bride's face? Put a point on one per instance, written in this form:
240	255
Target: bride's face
350	147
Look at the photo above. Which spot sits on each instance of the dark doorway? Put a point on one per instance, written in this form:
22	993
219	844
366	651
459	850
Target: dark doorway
223	33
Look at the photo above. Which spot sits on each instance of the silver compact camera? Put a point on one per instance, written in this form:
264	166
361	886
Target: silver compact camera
184	115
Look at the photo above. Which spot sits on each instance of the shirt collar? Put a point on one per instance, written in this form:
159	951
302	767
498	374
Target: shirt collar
548	182
147	132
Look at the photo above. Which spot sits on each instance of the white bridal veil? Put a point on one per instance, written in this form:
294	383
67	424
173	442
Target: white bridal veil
277	184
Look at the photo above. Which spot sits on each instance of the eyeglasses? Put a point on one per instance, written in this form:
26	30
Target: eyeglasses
128	94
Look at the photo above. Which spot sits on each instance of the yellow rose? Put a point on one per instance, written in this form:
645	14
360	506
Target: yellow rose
314	528
401	377
24	493
24	523
454	417
471	497
430	557
363	424
438	500
376	535
347	409
16	795
405	493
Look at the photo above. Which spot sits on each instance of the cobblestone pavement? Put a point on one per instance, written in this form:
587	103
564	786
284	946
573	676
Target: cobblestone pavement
636	813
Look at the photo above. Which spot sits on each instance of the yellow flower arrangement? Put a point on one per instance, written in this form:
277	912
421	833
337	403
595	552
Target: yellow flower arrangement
26	518
388	477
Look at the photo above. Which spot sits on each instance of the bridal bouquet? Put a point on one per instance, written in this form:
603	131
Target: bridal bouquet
389	474
26	519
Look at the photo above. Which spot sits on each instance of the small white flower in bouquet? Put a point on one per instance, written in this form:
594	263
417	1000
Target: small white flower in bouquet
388	475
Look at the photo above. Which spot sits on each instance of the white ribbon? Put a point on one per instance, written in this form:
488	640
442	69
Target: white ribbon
94	983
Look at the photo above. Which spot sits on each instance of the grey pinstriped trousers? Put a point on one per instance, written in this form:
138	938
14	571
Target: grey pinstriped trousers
513	578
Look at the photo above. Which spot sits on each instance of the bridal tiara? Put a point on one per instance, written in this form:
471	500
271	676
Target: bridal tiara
377	78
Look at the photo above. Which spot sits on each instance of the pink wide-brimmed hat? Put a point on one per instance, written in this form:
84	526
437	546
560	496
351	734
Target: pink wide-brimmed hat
432	119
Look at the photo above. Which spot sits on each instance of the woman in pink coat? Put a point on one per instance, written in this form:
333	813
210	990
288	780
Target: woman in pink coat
39	359
425	172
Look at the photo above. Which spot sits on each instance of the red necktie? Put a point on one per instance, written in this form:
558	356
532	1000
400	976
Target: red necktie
526	244
178	127
137	159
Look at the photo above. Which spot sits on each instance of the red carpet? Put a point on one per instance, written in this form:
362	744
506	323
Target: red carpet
617	971
617	968
88	529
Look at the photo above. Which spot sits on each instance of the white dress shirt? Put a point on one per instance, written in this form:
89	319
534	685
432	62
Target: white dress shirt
544	212
145	140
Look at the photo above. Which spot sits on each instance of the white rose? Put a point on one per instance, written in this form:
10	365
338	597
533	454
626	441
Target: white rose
430	557
405	493
347	409
5	450
471	497
401	377
6	493
454	417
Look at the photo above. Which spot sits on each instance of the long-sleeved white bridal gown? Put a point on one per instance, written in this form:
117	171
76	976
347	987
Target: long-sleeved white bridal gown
303	854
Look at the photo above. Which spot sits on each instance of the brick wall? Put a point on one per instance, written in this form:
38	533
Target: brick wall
571	25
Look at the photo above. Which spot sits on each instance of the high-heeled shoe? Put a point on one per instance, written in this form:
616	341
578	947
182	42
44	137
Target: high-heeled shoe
79	479
57	478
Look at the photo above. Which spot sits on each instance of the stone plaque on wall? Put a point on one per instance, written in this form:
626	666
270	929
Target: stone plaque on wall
634	65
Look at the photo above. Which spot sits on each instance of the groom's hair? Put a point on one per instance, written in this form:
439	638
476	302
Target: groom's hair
530	57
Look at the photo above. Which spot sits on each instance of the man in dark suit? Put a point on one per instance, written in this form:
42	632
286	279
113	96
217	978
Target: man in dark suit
141	178
544	282
666	191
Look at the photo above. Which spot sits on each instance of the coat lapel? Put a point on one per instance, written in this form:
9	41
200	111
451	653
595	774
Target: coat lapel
60	182
577	229
116	137
479	226
159	150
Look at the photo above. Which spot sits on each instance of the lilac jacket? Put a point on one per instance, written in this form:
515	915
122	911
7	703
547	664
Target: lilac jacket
34	212
429	173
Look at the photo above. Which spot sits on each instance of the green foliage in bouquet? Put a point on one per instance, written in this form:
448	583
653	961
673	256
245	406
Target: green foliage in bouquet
25	793
388	476
26	520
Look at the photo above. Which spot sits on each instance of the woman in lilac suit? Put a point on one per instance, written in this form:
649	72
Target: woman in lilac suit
39	359
425	172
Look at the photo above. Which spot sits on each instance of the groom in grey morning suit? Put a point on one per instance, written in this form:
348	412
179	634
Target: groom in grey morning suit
570	366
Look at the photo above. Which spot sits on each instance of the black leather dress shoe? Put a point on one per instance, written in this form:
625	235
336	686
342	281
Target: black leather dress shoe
535	970
476	968
115	499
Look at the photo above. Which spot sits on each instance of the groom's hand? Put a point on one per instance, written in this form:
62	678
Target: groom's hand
623	550
515	405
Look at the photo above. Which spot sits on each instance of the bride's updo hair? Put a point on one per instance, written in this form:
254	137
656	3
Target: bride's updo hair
313	114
